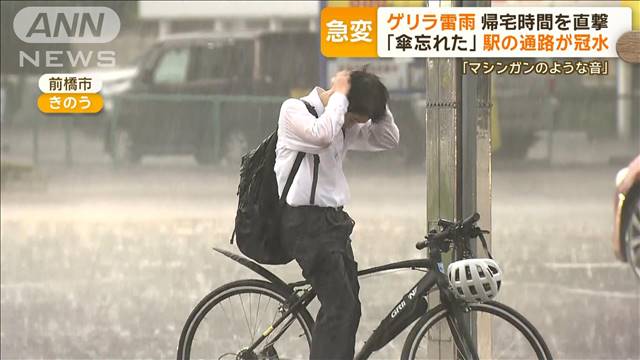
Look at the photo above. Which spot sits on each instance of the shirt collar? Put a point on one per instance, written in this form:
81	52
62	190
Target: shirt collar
313	98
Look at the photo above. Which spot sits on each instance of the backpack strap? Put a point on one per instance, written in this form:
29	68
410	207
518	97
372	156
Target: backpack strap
314	184
310	108
316	157
292	174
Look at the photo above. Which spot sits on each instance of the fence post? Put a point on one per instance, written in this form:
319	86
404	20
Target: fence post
35	138
68	156
113	124
217	138
260	122
554	102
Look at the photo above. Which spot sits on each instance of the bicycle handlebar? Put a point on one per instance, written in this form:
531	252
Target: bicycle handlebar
448	229
432	237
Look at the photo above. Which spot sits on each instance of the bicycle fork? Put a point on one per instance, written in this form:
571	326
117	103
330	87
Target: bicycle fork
458	321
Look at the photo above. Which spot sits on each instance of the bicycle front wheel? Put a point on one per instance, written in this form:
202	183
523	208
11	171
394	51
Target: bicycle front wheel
228	320
512	336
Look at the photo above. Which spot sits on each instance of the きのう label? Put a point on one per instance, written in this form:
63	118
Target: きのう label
70	103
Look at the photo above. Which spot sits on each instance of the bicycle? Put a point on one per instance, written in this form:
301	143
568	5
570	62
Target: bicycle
285	332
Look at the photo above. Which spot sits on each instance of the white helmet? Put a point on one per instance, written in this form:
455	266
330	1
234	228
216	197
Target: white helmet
475	279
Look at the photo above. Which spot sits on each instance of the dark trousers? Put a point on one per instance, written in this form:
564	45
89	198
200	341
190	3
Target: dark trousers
318	238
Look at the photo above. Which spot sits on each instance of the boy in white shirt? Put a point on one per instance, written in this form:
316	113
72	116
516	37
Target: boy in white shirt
325	124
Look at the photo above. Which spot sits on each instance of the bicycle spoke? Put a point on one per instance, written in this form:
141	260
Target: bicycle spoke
251	314
265	312
255	327
218	332
275	315
245	318
226	315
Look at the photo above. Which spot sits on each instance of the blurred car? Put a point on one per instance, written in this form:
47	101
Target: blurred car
164	106
115	82
169	108
626	235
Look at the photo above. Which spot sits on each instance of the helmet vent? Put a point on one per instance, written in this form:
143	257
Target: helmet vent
486	287
457	274
473	290
467	271
480	272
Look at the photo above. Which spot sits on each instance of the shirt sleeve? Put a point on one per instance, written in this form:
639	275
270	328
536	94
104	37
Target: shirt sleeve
301	131
370	136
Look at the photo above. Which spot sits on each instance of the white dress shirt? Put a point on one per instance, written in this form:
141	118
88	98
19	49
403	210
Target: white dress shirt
299	130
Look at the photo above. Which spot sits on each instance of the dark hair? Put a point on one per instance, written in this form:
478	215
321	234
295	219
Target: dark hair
368	95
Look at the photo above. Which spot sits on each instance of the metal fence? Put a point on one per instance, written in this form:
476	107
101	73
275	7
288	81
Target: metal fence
225	126
195	123
548	115
527	112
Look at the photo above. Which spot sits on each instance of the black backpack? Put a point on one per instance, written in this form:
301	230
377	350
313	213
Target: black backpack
257	224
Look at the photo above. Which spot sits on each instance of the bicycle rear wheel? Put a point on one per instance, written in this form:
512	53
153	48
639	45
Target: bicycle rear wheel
228	320
513	337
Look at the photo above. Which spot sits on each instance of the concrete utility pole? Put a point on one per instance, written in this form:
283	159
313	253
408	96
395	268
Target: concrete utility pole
624	91
458	162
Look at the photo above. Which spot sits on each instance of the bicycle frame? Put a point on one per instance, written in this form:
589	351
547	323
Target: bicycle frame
411	306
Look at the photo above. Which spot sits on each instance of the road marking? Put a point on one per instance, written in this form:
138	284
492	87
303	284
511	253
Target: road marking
588	292
602	265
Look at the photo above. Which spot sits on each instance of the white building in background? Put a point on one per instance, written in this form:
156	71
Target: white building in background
222	16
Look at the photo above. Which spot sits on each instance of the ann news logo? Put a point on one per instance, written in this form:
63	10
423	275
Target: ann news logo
66	25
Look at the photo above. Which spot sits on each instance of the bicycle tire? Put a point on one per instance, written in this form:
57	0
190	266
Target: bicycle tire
433	316
214	298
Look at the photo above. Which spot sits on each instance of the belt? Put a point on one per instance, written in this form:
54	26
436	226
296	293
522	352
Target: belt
336	208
